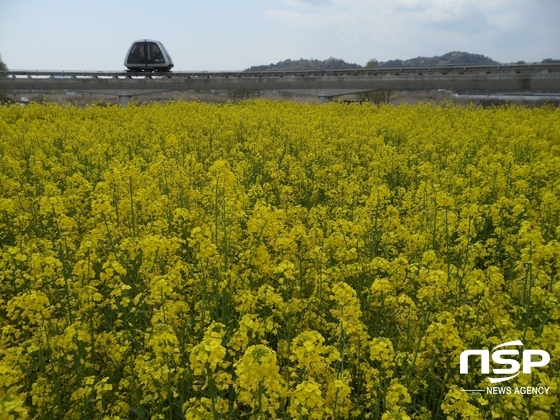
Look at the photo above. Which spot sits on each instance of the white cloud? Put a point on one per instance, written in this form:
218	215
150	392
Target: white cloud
408	28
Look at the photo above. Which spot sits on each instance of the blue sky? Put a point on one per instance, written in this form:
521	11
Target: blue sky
228	35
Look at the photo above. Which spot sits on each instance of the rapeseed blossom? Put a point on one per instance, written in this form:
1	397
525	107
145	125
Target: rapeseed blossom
275	260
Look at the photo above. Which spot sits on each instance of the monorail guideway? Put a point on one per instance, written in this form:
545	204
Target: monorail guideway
325	84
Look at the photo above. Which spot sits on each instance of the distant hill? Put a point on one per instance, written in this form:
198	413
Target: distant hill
304	64
453	58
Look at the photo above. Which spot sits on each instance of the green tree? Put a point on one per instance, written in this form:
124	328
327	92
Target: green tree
378	97
3	97
3	66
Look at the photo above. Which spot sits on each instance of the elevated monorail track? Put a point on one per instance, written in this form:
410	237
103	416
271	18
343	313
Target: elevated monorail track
323	83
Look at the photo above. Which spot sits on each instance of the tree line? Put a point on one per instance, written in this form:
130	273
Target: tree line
453	58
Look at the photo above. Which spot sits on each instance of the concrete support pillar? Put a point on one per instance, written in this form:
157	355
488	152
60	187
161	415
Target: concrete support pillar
324	99
124	99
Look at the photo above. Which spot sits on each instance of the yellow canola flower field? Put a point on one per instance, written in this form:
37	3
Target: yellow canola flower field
268	260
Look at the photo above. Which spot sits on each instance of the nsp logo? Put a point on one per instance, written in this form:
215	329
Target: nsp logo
498	357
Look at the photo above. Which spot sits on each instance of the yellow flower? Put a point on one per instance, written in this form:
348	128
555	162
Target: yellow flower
307	400
259	383
381	351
